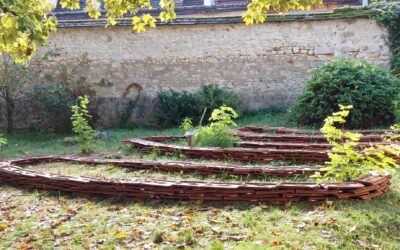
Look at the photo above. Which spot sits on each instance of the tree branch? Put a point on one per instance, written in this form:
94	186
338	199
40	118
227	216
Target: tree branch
5	9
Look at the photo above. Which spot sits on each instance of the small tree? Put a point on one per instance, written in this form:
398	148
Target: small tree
219	132
346	160
80	124
13	77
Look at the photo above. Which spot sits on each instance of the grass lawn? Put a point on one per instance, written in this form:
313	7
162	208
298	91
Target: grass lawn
32	219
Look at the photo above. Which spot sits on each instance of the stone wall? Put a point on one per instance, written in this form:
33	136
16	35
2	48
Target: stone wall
268	64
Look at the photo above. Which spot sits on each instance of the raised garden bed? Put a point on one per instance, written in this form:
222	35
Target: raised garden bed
258	146
366	187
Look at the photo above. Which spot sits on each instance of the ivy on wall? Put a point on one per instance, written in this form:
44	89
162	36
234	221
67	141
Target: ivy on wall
389	15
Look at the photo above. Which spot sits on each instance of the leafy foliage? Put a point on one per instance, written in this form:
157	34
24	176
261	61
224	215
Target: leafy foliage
51	104
173	106
80	124
370	89
396	62
212	97
346	160
257	9
117	9
389	16
24	24
3	141
219	132
187	124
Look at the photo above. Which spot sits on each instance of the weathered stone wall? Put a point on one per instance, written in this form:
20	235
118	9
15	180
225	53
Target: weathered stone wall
268	64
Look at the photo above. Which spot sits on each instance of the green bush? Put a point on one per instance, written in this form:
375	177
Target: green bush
212	97
51	104
368	88
174	106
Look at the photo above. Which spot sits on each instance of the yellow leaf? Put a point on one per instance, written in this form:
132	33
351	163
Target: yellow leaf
3	226
121	236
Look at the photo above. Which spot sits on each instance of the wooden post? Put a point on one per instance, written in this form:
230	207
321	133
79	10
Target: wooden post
189	135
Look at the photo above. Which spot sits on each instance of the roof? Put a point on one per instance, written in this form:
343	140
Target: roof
188	12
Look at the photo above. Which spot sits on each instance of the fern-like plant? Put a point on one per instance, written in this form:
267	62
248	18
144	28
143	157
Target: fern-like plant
187	125
346	160
3	141
219	132
80	124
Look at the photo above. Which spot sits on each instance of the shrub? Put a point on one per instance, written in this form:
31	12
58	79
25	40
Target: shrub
213	97
51	103
368	88
219	132
80	124
174	106
346	160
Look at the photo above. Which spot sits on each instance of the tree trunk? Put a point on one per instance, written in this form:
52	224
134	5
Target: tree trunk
10	108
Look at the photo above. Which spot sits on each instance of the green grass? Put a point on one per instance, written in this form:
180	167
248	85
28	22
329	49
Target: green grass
36	143
40	220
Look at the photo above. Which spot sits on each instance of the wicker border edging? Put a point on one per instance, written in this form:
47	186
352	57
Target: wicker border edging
297	138
288	144
300	145
237	154
284	130
177	166
366	187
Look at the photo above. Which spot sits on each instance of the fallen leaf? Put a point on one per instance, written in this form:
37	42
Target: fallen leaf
121	236
276	243
3	226
24	246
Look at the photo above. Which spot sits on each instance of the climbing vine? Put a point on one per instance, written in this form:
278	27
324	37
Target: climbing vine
131	103
388	14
